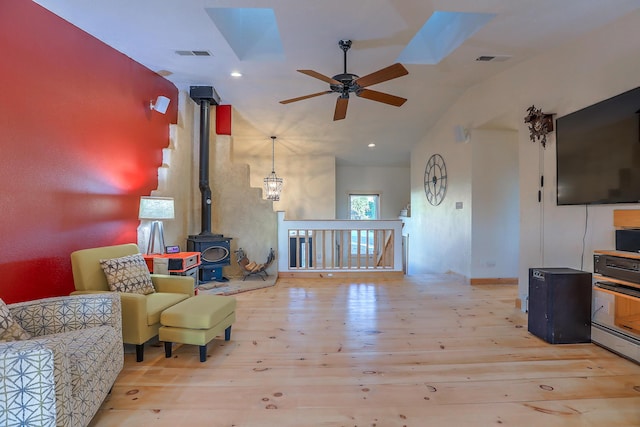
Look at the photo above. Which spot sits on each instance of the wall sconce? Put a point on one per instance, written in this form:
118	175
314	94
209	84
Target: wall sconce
161	104
540	124
156	209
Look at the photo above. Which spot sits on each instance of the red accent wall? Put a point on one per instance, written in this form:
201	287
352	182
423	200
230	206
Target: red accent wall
79	146
223	119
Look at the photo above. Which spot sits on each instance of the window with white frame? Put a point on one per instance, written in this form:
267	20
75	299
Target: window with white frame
363	207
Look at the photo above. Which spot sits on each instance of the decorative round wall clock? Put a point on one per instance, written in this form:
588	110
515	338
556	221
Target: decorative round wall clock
435	180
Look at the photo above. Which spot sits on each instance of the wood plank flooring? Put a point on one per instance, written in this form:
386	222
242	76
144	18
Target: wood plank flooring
420	351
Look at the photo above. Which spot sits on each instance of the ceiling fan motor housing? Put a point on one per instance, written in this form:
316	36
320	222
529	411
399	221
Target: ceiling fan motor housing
347	81
344	45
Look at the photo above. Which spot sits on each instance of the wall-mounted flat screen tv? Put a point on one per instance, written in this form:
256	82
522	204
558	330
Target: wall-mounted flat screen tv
598	152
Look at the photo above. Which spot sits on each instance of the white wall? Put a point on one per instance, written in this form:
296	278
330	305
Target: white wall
309	180
600	65
392	183
440	236
495	204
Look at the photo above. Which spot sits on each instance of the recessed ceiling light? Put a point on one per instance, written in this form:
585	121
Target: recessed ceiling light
372	145
236	74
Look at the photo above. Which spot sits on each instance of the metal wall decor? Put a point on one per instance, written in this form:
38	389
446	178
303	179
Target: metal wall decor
540	124
435	179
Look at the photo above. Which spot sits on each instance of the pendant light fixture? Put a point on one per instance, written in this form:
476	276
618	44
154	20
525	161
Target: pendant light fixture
273	184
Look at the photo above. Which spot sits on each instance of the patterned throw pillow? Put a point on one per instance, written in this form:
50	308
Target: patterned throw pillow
10	330
128	274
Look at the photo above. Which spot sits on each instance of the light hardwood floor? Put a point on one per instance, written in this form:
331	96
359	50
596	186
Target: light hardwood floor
423	351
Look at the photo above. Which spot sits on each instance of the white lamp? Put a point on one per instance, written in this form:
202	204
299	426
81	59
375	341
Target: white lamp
161	104
156	209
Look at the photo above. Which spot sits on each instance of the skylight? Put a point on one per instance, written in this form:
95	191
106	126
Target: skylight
252	33
443	33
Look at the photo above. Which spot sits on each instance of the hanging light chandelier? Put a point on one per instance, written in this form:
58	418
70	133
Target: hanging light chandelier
273	184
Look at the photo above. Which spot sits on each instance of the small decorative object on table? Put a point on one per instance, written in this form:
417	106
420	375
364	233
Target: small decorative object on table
172	249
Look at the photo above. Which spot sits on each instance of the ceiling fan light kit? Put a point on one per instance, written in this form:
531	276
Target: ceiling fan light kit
347	83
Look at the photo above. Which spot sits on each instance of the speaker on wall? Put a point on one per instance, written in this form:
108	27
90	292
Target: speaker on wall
461	133
161	104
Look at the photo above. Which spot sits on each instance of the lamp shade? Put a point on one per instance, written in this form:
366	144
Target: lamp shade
155	208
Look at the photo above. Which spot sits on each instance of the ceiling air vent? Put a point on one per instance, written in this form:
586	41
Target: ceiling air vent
495	58
193	53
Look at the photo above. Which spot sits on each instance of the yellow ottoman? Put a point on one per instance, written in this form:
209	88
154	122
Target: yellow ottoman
196	321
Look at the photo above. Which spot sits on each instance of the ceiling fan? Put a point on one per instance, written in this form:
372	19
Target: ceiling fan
347	83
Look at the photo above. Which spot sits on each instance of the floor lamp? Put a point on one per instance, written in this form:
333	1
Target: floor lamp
156	209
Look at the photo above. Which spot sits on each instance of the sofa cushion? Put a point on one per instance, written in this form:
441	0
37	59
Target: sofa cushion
128	274
160	301
89	351
95	386
10	330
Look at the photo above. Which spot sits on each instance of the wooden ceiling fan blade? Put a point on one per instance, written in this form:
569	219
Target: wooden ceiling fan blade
341	108
391	72
374	95
319	76
300	98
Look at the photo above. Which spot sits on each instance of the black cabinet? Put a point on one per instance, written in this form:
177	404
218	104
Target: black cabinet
560	305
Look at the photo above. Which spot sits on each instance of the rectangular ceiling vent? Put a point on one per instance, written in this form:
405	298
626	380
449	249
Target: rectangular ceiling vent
193	53
494	58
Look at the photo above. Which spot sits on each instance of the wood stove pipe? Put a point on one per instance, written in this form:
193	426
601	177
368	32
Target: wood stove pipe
205	96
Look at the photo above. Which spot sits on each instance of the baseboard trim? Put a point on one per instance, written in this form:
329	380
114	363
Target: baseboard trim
341	275
495	281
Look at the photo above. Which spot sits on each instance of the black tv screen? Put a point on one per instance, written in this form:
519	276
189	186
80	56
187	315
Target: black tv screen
598	152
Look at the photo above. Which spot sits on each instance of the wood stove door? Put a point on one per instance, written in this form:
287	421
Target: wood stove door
215	254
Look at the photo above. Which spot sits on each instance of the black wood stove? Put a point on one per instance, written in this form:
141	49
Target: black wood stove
215	254
214	248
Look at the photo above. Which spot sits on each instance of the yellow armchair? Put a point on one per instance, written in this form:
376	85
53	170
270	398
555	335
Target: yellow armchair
140	313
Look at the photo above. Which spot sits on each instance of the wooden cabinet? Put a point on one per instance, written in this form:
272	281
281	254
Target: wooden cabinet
618	275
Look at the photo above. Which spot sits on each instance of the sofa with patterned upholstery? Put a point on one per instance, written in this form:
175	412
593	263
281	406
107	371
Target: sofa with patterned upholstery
59	358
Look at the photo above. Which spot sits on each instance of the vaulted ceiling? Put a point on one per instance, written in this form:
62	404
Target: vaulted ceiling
201	42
